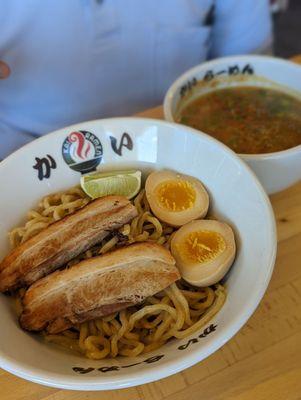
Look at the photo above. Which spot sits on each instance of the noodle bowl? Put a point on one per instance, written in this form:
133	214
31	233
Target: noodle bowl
156	144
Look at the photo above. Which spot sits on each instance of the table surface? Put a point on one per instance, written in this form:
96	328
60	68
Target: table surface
261	362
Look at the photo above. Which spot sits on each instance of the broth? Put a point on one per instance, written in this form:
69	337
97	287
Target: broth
250	120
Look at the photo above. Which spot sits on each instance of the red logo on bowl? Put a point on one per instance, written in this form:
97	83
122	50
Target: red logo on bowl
82	151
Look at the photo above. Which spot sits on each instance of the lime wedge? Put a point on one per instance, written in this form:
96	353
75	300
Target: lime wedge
123	183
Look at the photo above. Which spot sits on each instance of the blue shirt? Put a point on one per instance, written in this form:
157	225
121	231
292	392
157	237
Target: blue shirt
75	60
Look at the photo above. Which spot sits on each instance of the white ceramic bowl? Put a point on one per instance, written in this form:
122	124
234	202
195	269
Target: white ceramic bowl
236	197
278	170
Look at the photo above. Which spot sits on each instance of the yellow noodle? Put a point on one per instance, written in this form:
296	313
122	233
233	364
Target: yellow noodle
122	329
142	237
138	202
115	325
179	311
132	336
181	299
162	328
110	317
209	314
141	220
93	350
133	348
134	227
32	214
108	246
193	295
155	309
151	325
207	303
106	328
152	346
157	234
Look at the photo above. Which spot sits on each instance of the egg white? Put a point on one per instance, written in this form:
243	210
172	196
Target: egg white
176	218
209	272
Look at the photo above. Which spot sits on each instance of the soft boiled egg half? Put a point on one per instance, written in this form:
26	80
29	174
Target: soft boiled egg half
176	199
204	251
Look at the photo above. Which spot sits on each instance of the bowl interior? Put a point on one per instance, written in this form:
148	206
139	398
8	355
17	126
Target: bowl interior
236	197
228	72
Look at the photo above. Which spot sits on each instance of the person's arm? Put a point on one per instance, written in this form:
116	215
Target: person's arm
241	27
4	70
4	73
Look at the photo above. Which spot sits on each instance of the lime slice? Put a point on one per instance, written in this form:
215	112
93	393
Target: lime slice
123	183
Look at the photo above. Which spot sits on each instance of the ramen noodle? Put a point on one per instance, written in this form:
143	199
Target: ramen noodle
176	312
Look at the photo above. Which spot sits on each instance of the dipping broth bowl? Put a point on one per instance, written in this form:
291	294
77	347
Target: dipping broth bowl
277	170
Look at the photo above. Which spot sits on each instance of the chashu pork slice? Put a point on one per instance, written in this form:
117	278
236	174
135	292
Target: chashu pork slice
98	286
63	240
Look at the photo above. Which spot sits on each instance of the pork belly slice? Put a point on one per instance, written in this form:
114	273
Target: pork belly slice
97	287
64	240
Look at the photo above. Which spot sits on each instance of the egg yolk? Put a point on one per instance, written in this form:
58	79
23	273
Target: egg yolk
177	195
202	246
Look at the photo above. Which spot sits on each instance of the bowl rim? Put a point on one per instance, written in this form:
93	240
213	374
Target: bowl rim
168	98
170	367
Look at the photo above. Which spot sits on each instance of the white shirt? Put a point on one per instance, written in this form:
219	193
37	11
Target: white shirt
75	60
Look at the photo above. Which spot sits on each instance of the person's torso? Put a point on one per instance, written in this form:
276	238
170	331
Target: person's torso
75	60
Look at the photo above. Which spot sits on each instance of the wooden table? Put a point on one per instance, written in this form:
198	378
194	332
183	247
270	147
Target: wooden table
261	362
